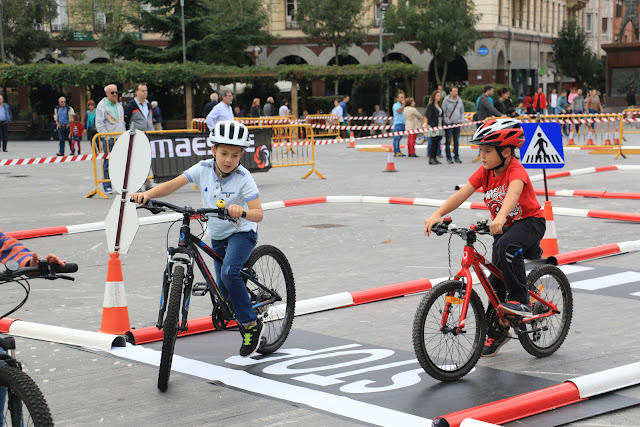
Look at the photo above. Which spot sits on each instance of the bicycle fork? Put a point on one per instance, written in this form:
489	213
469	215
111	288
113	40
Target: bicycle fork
187	286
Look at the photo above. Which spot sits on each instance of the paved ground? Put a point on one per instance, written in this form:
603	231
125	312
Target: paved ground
358	246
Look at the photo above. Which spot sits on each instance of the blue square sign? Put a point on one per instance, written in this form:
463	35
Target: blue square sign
542	148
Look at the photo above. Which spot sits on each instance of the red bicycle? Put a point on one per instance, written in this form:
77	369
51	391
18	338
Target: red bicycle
450	326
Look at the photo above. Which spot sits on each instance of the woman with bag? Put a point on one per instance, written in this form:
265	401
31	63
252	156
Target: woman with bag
434	119
413	121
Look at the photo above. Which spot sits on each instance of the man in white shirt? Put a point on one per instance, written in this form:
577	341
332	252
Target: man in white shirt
284	109
554	101
222	111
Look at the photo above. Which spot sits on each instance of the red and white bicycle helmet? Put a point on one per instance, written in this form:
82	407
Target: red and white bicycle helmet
230	132
499	132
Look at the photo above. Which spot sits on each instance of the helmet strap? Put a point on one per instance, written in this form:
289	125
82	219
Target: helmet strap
219	171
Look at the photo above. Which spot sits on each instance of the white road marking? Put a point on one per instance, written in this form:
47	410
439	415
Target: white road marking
607	281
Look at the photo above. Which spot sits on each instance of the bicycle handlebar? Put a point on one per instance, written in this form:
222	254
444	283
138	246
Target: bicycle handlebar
43	270
156	206
480	227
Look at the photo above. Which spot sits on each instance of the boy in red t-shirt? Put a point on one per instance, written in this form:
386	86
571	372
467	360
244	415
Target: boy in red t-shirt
511	200
75	133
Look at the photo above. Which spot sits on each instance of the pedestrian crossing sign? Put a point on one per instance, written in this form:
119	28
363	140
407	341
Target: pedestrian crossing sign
542	148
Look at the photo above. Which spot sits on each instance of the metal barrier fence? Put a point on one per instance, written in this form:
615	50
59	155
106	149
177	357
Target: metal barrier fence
107	141
267	120
324	119
293	145
633	115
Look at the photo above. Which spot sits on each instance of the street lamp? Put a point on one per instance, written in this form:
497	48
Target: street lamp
56	54
184	49
1	35
384	6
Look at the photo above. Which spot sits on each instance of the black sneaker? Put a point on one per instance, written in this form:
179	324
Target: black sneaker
457	160
492	345
516	308
251	336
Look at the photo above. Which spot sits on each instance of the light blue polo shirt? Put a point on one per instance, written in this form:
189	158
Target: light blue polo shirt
239	188
398	118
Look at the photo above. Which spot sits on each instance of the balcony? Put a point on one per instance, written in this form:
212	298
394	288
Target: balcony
576	4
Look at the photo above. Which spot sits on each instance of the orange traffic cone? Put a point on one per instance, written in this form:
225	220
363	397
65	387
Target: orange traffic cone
571	141
352	142
590	137
391	166
616	136
115	314
549	242
607	138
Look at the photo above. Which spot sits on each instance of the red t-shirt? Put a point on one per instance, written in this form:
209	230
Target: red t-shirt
498	186
76	129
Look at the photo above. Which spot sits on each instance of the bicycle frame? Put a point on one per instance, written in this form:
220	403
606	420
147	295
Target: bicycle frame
472	259
192	246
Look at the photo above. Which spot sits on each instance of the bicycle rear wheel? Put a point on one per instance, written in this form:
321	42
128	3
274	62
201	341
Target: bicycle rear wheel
170	327
443	353
543	337
271	268
24	404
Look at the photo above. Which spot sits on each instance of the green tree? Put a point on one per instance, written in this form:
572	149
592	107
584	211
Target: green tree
336	23
444	28
216	31
20	26
105	19
570	51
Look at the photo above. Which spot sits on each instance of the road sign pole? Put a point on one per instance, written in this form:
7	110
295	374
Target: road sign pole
546	191
123	199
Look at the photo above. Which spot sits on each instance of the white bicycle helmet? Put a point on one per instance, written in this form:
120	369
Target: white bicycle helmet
230	132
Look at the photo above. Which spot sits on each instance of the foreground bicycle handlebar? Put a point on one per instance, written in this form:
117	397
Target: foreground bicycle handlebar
43	270
156	207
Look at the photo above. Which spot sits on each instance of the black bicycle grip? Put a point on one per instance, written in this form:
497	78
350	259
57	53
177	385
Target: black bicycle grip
70	267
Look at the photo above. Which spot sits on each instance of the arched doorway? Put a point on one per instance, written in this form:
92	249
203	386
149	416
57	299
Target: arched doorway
99	61
344	86
457	71
501	72
292	60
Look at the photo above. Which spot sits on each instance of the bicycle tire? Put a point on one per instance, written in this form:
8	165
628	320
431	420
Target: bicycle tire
420	139
170	327
274	272
23	397
445	356
553	286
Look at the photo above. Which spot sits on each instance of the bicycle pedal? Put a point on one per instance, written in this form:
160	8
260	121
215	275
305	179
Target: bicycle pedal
199	289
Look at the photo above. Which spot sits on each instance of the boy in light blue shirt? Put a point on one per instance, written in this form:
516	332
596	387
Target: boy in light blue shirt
223	178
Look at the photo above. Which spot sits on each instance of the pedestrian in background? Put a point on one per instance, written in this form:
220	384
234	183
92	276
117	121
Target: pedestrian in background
269	108
255	110
563	108
379	119
453	111
345	115
109	118
631	97
593	105
213	101
539	102
76	130
90	120
5	119
434	119
62	116
222	111
553	101
157	115
337	111
398	123
284	108
137	113
577	106
528	103
413	120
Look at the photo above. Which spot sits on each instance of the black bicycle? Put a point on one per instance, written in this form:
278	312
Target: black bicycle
22	401
267	275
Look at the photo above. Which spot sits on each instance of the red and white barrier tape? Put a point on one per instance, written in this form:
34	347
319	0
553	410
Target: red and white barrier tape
54	159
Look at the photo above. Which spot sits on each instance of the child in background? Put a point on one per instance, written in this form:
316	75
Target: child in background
520	109
76	130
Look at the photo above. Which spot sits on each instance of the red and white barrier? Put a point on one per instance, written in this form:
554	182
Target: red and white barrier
547	399
47	160
596	252
585	171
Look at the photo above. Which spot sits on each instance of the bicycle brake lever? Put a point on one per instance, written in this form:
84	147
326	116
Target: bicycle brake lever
65	277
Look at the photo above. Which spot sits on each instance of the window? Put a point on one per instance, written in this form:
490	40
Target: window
62	19
605	26
588	23
618	8
378	16
290	10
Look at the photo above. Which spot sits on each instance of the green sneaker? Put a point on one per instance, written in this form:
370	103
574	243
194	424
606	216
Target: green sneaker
251	336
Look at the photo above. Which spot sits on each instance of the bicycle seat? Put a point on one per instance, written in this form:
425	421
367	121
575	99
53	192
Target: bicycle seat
8	343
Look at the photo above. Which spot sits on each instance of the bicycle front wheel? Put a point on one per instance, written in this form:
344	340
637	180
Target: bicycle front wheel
444	353
24	404
170	327
543	337
271	268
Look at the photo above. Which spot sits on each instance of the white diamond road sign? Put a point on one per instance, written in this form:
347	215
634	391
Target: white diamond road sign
542	148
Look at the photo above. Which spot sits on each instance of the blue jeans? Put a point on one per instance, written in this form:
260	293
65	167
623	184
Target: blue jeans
236	250
396	139
105	162
591	111
63	135
448	134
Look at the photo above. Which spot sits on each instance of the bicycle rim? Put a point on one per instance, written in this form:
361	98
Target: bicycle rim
170	327
24	404
274	272
553	286
443	354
